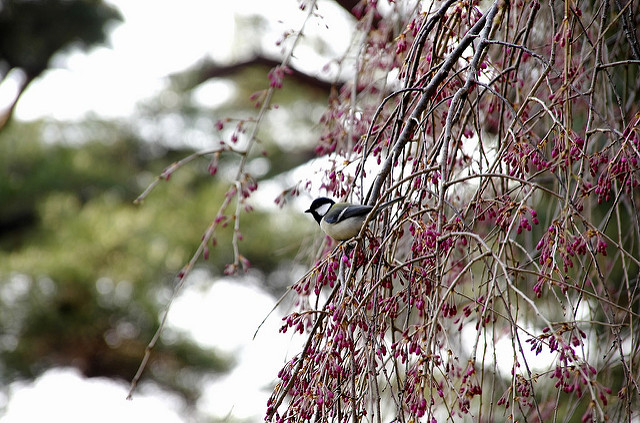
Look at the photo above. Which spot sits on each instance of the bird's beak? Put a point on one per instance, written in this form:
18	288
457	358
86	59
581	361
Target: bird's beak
308	211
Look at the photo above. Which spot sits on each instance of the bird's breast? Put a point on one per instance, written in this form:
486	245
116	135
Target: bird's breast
344	230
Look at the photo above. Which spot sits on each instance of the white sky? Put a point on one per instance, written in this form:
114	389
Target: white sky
228	315
157	38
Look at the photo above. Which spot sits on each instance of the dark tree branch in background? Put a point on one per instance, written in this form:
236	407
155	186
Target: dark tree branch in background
210	70
629	27
349	5
7	113
426	98
32	32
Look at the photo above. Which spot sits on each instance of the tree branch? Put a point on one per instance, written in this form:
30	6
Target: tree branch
427	94
210	70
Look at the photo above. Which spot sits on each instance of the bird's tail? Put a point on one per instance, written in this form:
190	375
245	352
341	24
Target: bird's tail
388	203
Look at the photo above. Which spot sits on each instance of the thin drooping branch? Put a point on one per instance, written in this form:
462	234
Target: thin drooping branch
629	27
427	93
7	114
456	106
234	191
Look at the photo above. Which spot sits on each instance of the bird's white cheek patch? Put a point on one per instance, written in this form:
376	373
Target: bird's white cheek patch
323	209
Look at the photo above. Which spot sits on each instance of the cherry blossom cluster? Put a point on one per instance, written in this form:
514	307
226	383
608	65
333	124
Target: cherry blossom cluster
503	197
572	375
556	242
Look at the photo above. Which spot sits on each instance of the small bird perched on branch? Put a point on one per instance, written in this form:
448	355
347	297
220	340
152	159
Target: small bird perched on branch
342	221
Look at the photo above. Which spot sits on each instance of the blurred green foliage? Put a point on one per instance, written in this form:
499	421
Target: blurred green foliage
85	273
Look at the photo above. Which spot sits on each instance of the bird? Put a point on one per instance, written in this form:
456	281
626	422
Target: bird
341	221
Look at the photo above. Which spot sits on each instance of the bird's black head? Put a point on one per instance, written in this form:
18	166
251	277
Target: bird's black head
319	207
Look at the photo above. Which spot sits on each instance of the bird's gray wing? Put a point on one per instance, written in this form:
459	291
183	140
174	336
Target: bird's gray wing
351	211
